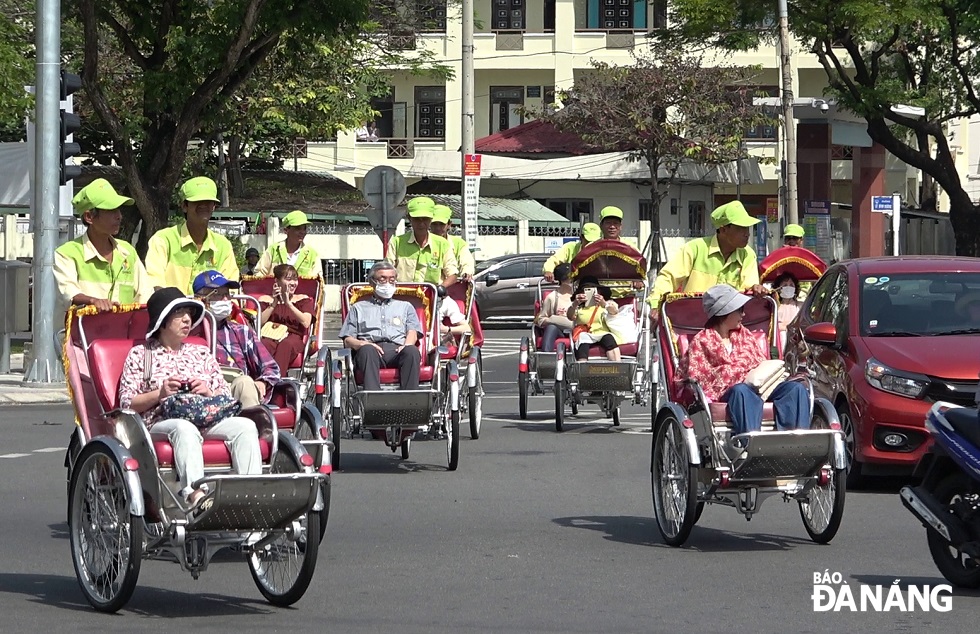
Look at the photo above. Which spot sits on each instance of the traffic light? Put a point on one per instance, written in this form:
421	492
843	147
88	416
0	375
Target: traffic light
70	123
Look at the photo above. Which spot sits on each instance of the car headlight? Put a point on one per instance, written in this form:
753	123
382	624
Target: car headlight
888	379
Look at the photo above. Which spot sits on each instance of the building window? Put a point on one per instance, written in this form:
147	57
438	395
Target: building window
430	112
841	152
508	15
695	217
575	209
391	118
504	102
658	14
549	16
646	210
766	131
617	15
433	15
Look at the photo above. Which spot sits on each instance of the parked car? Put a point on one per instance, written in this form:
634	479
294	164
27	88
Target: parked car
886	338
506	286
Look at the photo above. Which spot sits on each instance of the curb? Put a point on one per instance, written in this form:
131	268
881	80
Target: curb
33	397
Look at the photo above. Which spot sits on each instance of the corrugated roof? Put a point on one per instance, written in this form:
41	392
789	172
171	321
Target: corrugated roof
502	209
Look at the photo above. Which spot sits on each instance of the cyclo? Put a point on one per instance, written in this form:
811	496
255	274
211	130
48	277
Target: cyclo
390	414
535	366
123	500
690	461
596	379
465	350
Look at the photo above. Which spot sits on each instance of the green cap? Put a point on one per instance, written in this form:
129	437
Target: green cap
591	232
421	207
295	219
442	213
793	231
99	194
732	213
610	212
199	188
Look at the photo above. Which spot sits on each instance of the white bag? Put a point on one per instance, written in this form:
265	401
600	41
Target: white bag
766	376
623	326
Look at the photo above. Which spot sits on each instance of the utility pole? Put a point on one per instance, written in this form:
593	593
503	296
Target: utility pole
469	143
792	211
46	367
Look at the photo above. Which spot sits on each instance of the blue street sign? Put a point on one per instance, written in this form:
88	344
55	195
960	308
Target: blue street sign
881	203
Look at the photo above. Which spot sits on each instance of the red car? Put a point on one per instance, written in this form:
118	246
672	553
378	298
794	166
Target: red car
885	338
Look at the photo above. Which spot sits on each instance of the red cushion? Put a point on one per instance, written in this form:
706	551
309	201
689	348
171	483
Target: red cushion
285	417
216	452
719	412
453	350
389	376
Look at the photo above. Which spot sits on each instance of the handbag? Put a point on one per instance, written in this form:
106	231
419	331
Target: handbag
580	328
623	325
765	377
202	411
274	331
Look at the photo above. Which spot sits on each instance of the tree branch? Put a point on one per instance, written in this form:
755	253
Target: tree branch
129	46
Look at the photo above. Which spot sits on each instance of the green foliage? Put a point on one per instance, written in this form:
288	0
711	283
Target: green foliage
16	66
876	54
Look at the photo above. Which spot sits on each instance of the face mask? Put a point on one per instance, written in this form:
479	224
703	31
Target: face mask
384	291
787	292
220	309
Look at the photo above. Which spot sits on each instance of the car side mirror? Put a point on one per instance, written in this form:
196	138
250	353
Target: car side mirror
492	279
822	334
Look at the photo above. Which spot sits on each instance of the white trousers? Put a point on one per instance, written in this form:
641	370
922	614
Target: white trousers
240	435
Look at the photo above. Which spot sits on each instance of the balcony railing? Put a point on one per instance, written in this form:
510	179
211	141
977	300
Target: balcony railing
509	40
400	148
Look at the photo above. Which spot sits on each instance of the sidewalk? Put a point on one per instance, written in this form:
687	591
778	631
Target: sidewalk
13	390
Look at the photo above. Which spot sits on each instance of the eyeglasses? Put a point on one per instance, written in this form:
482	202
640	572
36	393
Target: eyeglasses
217	295
386	279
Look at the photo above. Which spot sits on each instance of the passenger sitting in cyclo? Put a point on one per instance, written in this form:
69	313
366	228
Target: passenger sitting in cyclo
723	354
452	321
381	332
285	317
592	303
165	366
553	316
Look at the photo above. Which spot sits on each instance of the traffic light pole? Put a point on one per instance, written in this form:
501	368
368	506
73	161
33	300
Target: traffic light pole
46	366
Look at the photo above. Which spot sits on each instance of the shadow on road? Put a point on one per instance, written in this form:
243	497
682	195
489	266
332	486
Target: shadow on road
383	462
59	531
642	531
63	592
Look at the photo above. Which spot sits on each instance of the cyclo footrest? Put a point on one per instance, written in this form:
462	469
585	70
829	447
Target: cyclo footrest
599	375
263	502
395	408
783	454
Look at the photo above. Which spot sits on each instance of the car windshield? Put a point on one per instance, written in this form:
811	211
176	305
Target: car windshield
909	305
486	264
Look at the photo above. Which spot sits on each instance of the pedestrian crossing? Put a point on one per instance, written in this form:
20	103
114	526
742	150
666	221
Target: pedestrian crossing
493	348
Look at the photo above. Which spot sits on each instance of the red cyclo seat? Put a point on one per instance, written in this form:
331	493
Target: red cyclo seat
216	452
389	376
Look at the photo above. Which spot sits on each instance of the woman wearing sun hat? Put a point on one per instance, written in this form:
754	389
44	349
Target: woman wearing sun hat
293	250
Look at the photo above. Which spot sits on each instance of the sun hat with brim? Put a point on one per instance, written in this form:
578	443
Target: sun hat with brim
793	231
732	213
610	212
442	213
199	188
964	302
164	302
421	207
591	232
295	219
723	300
212	279
99	194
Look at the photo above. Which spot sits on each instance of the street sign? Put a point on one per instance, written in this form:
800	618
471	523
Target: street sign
384	190
472	167
882	204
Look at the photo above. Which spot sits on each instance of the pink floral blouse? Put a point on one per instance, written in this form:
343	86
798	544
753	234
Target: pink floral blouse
189	362
714	367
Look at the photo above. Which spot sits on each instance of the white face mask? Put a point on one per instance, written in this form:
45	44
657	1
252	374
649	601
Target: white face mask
221	309
787	292
384	291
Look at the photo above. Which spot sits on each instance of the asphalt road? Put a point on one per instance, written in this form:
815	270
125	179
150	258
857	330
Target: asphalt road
536	532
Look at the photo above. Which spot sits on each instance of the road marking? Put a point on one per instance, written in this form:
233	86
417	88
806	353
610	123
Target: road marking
49	450
14	455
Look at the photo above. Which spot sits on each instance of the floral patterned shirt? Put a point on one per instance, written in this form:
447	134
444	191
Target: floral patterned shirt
189	362
716	369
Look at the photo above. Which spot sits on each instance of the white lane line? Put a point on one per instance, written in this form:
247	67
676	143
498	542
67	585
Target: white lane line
49	450
494	355
14	455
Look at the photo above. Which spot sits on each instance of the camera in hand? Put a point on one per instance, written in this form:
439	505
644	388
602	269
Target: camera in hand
184	387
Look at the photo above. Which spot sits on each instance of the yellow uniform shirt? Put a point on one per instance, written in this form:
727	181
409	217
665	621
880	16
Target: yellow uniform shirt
432	263
699	266
564	255
79	269
173	258
305	260
464	257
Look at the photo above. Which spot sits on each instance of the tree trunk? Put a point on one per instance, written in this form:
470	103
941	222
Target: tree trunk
657	258
965	218
234	166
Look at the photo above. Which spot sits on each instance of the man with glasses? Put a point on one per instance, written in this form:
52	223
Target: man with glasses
381	332
246	364
793	235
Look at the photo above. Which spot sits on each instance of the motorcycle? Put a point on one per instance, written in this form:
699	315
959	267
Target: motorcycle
947	501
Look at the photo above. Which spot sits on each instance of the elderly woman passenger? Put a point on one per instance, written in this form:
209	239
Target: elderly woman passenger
174	365
721	356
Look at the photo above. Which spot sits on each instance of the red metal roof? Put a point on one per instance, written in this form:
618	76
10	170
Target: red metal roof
536	137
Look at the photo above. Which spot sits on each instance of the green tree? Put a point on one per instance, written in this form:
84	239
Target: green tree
667	109
877	54
16	66
154	72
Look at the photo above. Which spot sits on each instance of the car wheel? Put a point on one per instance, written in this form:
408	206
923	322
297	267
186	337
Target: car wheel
850	441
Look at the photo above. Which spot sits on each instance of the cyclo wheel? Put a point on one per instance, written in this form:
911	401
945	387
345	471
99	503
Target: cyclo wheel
959	568
559	405
475	409
406	447
336	433
672	479
523	378
823	509
452	430
282	570
106	539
